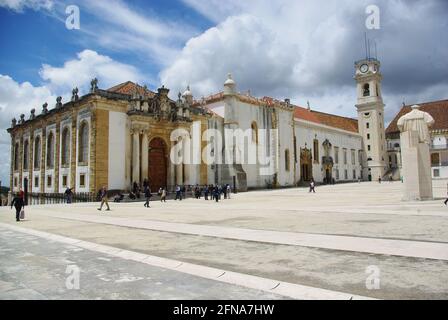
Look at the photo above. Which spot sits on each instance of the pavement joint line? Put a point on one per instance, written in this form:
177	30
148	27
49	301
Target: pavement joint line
290	290
404	248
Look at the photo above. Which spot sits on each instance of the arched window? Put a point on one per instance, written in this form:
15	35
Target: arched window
254	128
26	155
366	90
50	150
287	162
16	157
65	147
83	147
37	153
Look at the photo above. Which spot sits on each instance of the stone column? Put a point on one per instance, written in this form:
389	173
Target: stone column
56	157
186	148
145	146
135	156
73	155
179	170
43	158
31	159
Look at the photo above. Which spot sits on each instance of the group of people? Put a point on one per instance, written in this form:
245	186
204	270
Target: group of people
210	192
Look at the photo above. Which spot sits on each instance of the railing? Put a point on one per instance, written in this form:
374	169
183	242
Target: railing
441	164
55	198
439	147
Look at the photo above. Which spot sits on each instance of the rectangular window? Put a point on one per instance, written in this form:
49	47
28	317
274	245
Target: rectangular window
353	157
354	174
360	156
345	156
49	181
346	174
64	181
316	150
36	182
82	180
336	155
368	148
337	174
436	173
368	136
368	125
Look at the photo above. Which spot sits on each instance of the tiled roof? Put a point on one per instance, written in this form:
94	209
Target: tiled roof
326	119
130	88
437	109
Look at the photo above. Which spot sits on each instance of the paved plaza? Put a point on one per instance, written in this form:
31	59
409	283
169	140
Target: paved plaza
280	244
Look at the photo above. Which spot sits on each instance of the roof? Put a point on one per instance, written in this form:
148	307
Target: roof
437	109
130	88
331	120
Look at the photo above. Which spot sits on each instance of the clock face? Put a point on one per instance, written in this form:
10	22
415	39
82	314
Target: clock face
364	68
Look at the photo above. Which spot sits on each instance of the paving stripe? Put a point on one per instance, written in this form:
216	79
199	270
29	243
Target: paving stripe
404	248
286	289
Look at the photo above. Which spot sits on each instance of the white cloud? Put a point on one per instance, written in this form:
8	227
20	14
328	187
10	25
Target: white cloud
88	64
118	25
21	5
17	98
307	48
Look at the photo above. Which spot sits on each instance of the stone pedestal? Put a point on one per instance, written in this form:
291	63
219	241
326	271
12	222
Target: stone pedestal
416	164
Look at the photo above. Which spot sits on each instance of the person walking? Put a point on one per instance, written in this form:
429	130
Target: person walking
446	201
19	204
163	195
148	196
206	192
379	180
216	193
229	191
178	193
68	195
104	199
312	186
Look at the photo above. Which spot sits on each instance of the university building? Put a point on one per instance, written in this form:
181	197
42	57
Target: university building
439	139
122	135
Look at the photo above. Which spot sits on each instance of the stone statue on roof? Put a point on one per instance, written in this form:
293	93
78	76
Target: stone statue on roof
418	121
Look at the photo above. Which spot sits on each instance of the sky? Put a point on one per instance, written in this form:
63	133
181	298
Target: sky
303	50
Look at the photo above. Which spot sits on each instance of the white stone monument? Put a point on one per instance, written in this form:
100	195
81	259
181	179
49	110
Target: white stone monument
416	160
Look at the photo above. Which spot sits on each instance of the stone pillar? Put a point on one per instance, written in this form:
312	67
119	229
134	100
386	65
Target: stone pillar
73	155
57	150
179	169
416	167
186	148
144	162
43	162
31	160
135	156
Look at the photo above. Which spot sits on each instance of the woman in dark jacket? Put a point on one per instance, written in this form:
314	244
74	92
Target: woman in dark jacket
19	204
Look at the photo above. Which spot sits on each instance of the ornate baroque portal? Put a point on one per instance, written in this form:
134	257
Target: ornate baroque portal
327	162
157	163
306	172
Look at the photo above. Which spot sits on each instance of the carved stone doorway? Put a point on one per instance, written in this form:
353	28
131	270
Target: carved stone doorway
157	164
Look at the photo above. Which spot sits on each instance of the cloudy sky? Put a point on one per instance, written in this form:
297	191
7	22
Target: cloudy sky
298	49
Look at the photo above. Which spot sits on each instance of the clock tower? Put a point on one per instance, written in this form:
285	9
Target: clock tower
371	117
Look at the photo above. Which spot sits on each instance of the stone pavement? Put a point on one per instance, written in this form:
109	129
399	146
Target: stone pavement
327	240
